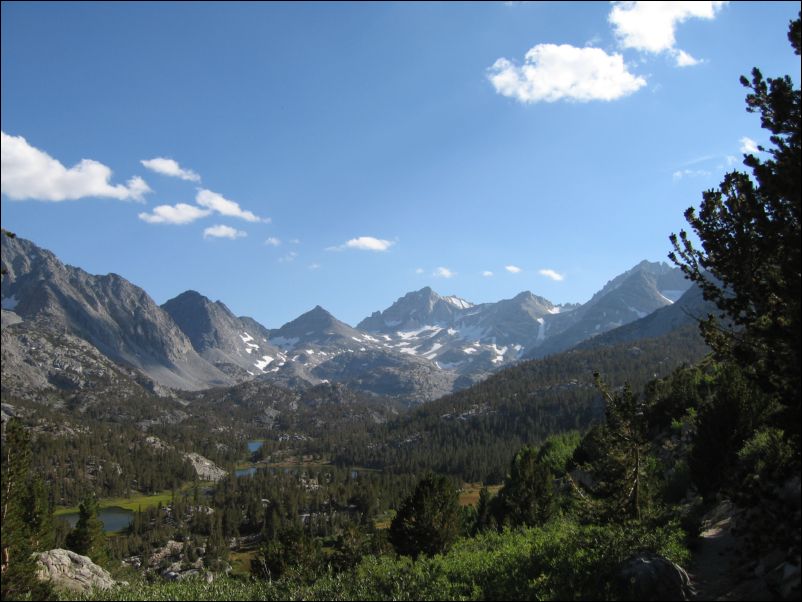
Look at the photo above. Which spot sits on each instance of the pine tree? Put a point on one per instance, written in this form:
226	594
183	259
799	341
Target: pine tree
749	265
620	466
25	528
429	520
88	538
527	498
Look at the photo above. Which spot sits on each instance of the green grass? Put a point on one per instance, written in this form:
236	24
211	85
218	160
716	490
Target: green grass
137	501
241	561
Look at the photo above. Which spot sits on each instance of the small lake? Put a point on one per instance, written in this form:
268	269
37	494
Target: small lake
246	472
113	518
254	445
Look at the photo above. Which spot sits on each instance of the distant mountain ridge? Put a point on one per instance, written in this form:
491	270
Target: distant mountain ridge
424	345
115	316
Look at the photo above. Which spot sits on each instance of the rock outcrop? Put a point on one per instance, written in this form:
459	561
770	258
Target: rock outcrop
649	576
66	570
205	468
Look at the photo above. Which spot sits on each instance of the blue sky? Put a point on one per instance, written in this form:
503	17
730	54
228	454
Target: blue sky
345	154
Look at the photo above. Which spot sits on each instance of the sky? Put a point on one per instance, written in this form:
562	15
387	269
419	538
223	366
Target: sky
278	156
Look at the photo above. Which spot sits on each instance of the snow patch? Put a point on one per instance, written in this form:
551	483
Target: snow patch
411	334
671	295
554	310
457	302
264	362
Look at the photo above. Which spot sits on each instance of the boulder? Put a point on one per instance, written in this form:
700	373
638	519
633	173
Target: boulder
649	576
65	569
205	468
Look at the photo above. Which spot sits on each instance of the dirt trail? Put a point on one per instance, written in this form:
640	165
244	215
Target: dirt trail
714	571
711	567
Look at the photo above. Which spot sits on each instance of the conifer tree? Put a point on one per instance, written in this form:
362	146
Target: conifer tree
620	466
527	498
749	264
26	524
89	538
428	521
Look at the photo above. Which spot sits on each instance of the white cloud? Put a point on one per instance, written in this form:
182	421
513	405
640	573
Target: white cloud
29	173
551	274
731	160
552	73
684	59
288	257
273	241
689	173
749	146
221	231
650	26
364	243
419	271
314	266
443	273
514	269
169	167
223	206
174	214
487	273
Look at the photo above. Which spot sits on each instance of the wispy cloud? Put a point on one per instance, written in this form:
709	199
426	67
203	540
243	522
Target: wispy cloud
29	173
313	266
170	167
288	257
551	73
651	26
442	272
689	173
223	206
221	231
174	214
273	241
487	273
749	146
551	274
419	270
364	243
513	269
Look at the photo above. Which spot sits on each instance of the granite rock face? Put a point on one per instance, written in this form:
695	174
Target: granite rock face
66	570
116	317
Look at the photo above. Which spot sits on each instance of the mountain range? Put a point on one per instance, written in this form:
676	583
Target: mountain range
421	347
